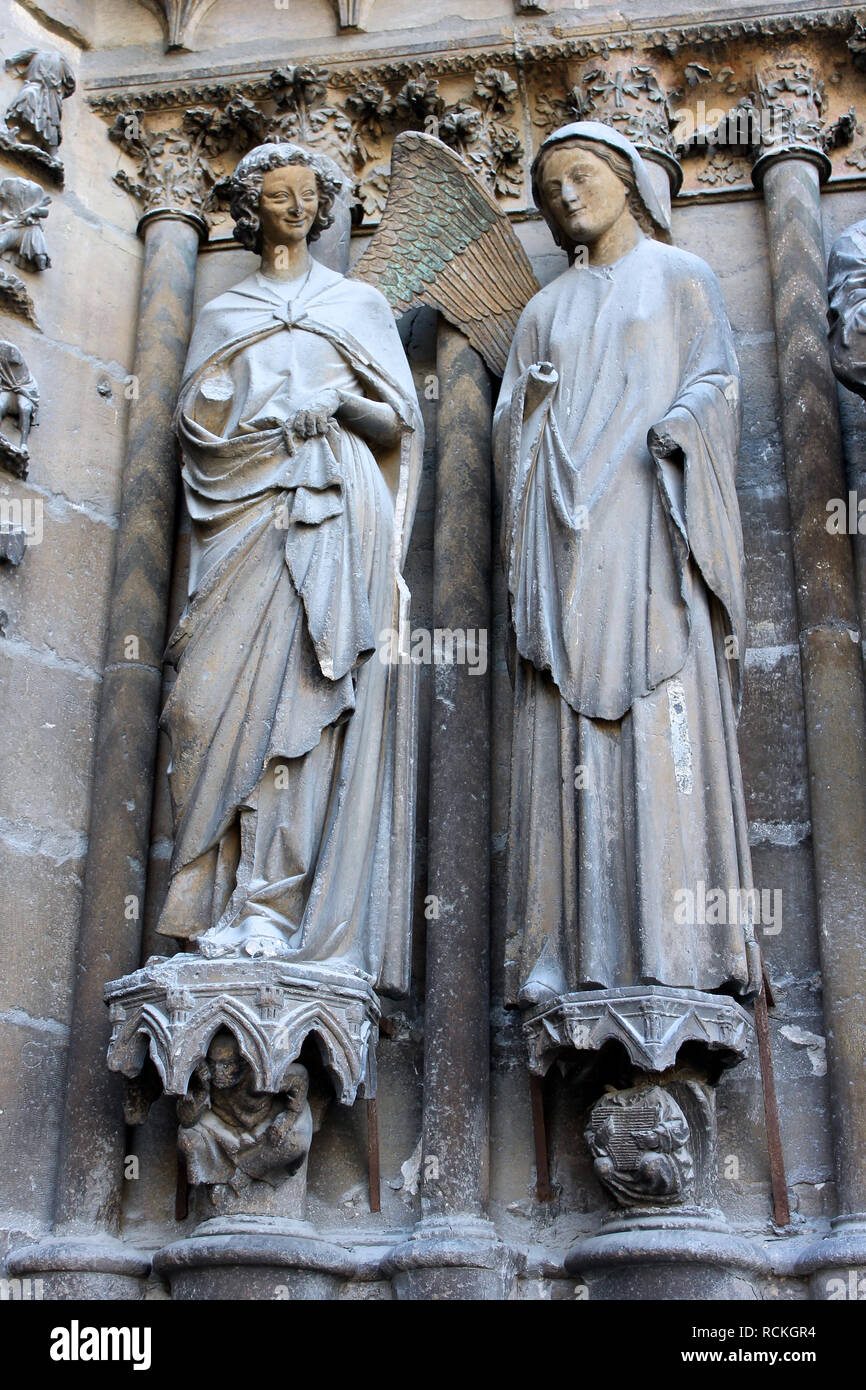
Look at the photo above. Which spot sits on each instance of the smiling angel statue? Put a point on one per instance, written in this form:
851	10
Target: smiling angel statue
616	438
301	439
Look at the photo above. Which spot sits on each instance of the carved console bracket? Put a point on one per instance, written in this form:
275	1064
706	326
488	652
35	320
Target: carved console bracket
172	1008
652	1022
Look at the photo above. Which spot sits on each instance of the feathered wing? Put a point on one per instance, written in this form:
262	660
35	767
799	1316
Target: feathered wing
443	241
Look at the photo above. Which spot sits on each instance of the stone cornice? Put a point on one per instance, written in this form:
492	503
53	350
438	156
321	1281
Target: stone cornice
525	47
672	91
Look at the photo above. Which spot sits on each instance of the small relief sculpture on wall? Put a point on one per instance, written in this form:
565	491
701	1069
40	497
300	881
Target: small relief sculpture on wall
31	124
639	1140
23	208
19	401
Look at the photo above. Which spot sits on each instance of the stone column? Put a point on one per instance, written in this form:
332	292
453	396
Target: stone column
789	171
454	1252
90	1171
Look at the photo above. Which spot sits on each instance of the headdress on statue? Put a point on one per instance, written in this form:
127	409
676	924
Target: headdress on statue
585	133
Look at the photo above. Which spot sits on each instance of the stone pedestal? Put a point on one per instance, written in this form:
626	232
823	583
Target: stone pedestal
654	1143
651	1022
445	1259
82	1268
225	1036
251	1259
172	1009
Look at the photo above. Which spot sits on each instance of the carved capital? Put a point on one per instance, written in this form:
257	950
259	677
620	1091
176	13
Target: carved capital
481	129
785	117
628	95
174	175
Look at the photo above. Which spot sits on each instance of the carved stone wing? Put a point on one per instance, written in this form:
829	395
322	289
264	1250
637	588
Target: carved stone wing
443	241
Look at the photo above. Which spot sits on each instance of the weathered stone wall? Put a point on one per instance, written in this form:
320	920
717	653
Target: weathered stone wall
54	606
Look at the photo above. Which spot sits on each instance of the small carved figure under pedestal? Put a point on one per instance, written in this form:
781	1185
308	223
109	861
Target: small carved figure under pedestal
19	397
640	1144
235	1138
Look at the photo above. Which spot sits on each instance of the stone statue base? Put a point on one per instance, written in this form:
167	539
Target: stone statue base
33	157
653	1142
242	1259
652	1022
172	1008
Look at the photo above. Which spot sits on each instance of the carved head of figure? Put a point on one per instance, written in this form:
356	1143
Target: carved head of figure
281	194
225	1063
587	179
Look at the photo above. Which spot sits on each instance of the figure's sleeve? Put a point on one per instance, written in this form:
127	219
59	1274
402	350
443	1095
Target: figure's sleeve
847	313
704	424
522	355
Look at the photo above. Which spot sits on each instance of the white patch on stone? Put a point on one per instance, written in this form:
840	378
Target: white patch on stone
681	747
774	832
411	1174
816	1048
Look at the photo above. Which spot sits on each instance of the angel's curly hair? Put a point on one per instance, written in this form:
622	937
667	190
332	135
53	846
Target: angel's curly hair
245	190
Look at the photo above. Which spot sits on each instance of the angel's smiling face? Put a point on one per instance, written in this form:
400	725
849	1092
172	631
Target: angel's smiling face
288	204
583	194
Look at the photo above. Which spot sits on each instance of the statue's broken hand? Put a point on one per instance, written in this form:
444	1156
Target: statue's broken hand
662	444
540	381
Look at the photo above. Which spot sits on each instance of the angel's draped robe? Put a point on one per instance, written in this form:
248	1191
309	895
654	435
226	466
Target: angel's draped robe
291	761
625	578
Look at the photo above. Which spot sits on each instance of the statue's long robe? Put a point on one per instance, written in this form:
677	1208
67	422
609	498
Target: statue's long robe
625	581
846	275
291	755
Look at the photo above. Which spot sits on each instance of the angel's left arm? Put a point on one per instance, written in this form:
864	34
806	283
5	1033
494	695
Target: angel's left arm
376	421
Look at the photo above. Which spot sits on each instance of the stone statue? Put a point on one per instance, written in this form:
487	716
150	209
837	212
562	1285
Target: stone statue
231	1135
847	313
19	398
616	439
23	206
640	1140
301	440
38	107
